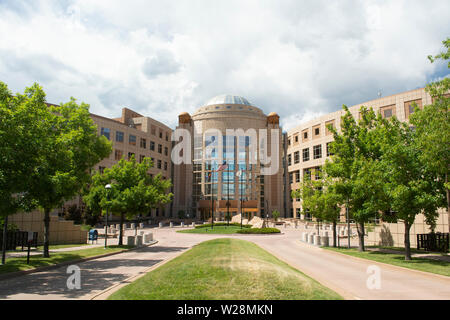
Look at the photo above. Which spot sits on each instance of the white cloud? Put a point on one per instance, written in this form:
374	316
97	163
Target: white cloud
298	58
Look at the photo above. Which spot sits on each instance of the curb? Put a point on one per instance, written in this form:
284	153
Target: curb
16	274
424	273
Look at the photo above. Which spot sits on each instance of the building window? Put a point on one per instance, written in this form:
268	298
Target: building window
296	157
130	154
296	138
105	132
132	140
410	106
101	169
387	113
289	142
166	151
165	165
289	159
297	176
167	137
306	154
160	134
329	153
159	164
119	136
118	154
159	148
317	151
305	135
291	178
141	158
152	146
153	130
316	131
317	173
328	126
143	143
307	174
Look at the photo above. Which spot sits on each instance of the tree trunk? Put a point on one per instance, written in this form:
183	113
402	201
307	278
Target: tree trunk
407	242
121	229
334	234
46	232
5	230
360	228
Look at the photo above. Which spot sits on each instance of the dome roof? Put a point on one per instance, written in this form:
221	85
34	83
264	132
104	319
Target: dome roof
228	99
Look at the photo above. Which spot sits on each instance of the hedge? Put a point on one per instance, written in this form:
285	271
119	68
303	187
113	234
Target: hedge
218	224
259	230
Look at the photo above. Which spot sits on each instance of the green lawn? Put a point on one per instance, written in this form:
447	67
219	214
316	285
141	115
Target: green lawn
398	259
18	264
216	230
225	269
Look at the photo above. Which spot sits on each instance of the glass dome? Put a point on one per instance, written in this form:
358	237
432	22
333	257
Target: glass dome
228	99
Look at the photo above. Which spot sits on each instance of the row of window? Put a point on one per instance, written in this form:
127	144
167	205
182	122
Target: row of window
118	154
309	173
386	111
132	140
317	154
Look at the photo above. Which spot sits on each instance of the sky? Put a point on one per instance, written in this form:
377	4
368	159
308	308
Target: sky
298	58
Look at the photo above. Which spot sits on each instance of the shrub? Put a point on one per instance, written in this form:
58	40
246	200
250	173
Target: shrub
275	214
73	213
259	231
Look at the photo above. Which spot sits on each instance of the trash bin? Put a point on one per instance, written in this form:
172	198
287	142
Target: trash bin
93	235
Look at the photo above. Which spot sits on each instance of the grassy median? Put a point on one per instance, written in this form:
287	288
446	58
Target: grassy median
215	230
398	259
225	269
20	263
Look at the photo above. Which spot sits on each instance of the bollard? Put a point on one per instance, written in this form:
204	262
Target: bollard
310	238
325	241
139	241
133	226
130	241
304	236
182	225
141	225
317	240
148	237
171	224
141	233
193	224
160	225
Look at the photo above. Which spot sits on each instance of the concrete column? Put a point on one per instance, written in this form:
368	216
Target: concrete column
148	237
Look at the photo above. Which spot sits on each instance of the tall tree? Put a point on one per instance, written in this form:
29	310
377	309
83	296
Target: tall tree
410	187
433	127
356	151
133	190
21	125
68	149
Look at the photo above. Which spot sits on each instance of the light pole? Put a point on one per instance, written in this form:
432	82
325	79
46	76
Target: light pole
107	187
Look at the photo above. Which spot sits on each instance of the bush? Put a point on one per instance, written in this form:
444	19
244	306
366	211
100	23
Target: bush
73	213
275	214
218	224
259	231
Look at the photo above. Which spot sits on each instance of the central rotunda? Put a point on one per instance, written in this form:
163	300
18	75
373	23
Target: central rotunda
225	174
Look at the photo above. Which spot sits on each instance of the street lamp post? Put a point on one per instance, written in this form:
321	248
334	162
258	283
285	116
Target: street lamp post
107	187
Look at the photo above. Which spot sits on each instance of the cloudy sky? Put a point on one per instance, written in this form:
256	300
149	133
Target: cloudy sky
160	58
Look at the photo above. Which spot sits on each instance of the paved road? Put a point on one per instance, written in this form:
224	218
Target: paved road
345	275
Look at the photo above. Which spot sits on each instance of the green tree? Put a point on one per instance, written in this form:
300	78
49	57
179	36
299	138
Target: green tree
68	149
320	198
432	125
133	190
275	214
356	152
409	186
